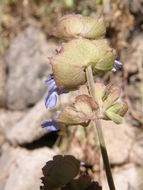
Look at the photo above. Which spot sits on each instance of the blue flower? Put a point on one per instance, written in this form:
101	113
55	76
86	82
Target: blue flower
50	126
117	66
53	91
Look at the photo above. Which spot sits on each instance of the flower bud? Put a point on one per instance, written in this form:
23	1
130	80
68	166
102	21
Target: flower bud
69	64
120	108
109	108
74	26
117	111
114	117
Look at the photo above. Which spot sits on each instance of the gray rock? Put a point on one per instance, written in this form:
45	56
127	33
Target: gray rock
126	177
7	120
133	57
136	154
28	129
119	140
22	169
28	65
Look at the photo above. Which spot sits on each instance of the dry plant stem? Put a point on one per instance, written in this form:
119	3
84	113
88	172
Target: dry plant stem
91	86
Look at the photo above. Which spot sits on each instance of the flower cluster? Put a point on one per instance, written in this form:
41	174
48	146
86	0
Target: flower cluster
69	65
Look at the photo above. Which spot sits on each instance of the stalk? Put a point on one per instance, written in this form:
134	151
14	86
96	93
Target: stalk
97	124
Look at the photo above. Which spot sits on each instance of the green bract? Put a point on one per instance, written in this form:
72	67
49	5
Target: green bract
109	108
73	26
75	56
84	109
81	112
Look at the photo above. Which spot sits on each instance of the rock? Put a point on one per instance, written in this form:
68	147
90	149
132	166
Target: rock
28	129
7	120
28	65
125	178
22	169
119	140
133	57
2	83
136	154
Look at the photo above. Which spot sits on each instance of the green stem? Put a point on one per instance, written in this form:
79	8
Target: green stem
91	86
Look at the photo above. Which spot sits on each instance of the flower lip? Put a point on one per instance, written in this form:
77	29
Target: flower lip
53	91
49	79
51	100
117	65
50	126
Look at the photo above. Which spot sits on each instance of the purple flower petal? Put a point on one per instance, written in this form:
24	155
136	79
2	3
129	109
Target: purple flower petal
49	79
53	90
50	125
114	69
117	65
82	163
51	129
52	86
51	100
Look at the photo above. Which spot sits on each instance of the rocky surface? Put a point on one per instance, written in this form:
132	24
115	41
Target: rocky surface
21	169
7	120
27	65
119	141
133	65
126	177
28	128
136	154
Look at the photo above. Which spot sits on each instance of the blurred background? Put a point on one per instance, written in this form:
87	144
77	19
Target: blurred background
25	45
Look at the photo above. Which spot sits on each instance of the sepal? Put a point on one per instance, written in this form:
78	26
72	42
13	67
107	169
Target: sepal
74	26
81	112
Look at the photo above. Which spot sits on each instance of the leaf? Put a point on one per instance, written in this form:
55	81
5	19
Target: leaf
60	171
82	183
73	26
81	112
94	186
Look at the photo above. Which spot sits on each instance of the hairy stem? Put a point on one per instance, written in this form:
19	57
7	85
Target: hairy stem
90	82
